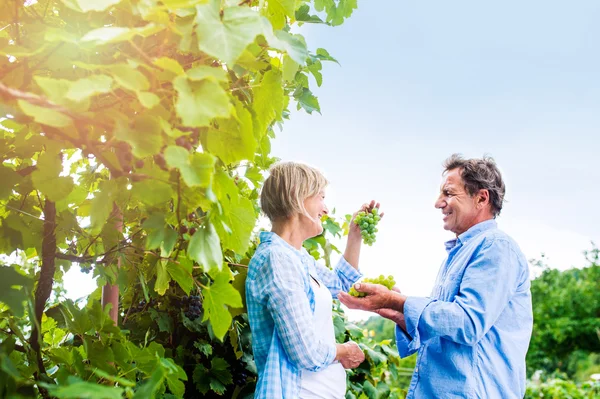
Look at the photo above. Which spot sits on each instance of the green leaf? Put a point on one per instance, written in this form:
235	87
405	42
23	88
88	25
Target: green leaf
238	214
175	375
281	40
151	192
205	248
203	72
90	5
182	273
268	101
8	179
78	389
226	37
204	347
54	337
147	99
87	87
162	277
199	102
344	9
15	288
155	230
278	10
290	67
216	298
45	116
302	15
196	169
129	77
324	55
164	321
144	135
215	378
56	91
233	140
170	65
46	177
150	387
101	206
308	101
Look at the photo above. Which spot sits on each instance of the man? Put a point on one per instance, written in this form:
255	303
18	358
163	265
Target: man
473	332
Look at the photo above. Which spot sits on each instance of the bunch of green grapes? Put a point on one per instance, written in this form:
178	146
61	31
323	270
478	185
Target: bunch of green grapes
367	221
388	282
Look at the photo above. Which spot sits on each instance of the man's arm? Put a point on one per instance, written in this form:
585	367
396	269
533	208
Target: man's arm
487	285
489	281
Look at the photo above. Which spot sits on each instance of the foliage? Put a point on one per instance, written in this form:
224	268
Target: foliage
557	388
136	137
566	314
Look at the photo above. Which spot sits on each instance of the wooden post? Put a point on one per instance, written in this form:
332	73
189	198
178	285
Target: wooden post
110	292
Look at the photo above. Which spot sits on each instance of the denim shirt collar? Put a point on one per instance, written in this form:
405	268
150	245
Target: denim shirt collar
472	232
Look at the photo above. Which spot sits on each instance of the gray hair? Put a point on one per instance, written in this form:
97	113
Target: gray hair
479	174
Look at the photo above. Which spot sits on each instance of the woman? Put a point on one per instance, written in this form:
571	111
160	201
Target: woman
289	294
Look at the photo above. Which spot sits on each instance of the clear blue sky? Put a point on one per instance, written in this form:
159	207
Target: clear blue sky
421	80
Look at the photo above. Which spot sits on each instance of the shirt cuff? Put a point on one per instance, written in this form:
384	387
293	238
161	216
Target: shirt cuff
413	308
402	343
348	271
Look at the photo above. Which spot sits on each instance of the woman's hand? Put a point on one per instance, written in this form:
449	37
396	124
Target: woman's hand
354	230
349	355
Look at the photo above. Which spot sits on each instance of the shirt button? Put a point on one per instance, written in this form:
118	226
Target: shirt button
416	369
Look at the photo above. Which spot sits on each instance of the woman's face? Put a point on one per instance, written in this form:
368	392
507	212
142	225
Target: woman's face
316	208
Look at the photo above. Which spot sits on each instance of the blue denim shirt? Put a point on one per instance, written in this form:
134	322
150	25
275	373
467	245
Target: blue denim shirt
281	302
472	334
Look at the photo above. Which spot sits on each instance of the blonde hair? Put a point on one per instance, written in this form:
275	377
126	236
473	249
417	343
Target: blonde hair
286	188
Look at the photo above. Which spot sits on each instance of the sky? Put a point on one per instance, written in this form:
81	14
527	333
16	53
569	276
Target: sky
419	81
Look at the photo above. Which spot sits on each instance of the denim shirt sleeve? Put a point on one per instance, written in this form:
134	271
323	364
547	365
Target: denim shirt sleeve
339	279
288	304
403	342
489	281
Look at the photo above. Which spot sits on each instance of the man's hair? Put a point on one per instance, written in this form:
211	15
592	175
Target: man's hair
479	174
286	188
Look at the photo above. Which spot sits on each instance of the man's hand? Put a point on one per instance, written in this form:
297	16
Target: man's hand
378	297
349	355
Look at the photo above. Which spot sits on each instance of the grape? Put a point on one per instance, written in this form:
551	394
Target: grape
160	161
367	222
194	306
388	282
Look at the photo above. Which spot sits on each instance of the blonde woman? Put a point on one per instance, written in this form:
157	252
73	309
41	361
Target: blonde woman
289	294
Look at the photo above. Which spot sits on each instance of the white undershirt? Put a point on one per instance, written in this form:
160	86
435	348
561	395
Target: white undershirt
329	383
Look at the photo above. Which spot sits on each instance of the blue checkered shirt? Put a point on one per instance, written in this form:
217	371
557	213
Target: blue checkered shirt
281	303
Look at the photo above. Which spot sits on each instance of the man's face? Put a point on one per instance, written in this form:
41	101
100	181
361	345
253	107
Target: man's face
460	210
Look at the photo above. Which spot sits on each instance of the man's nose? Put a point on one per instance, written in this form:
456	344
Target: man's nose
440	203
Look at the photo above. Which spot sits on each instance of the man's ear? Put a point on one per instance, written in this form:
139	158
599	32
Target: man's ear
483	197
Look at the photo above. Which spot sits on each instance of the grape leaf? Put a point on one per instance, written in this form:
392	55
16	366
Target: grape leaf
216	298
205	247
226	37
